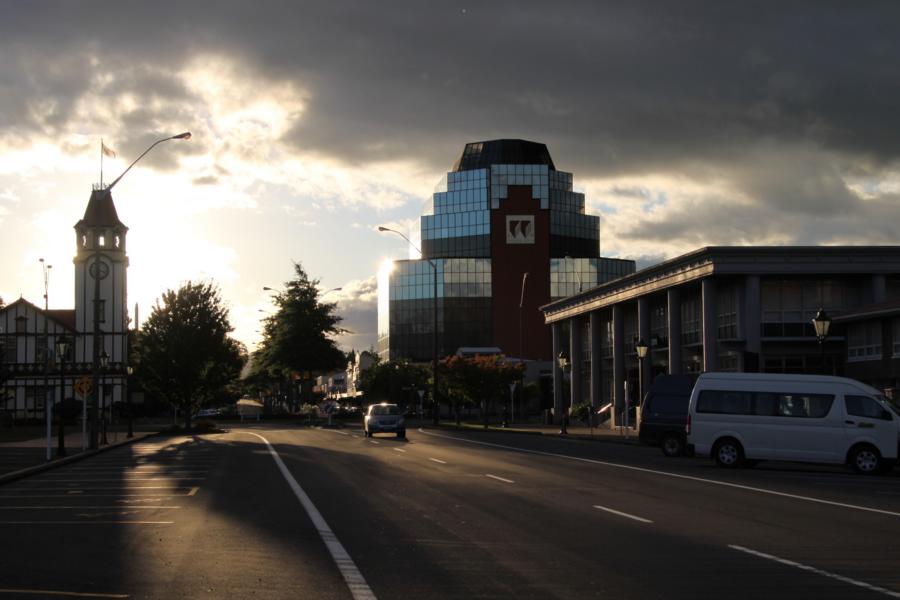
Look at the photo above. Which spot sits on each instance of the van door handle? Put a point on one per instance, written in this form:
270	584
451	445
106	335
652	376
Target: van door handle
850	422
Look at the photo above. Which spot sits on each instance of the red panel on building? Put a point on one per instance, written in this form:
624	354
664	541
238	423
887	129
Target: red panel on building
520	243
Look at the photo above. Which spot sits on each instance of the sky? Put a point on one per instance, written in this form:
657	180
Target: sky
686	124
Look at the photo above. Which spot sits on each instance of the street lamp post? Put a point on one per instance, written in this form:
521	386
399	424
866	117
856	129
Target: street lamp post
129	371
822	323
62	346
434	351
99	270
48	398
104	363
563	361
641	348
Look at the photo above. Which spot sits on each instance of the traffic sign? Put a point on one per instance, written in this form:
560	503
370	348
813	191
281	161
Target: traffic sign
84	386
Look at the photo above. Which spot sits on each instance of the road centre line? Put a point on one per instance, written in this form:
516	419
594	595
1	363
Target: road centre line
622	514
503	479
352	576
437	460
60	593
790	563
673	475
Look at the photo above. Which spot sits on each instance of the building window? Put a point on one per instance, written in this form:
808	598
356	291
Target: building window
40	350
690	322
21	324
864	341
7	349
726	314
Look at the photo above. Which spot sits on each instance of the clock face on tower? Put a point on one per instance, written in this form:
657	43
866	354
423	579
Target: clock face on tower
99	269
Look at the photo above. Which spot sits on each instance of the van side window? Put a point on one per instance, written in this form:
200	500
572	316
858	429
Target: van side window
863	406
669	405
725	402
814	406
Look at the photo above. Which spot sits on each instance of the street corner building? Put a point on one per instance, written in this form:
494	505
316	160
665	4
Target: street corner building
744	309
34	367
503	234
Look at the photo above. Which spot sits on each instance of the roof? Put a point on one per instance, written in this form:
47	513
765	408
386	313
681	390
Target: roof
481	155
64	317
889	308
101	211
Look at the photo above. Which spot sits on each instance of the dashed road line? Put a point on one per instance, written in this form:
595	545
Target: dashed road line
622	514
437	460
791	563
193	491
373	442
399	450
503	479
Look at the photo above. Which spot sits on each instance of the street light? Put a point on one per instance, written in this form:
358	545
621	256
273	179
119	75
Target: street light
48	399
563	361
129	371
98	271
822	323
62	346
641	348
434	350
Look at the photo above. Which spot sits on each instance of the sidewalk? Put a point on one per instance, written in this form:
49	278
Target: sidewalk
576	431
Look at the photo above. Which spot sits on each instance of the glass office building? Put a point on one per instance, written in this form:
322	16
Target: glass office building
505	233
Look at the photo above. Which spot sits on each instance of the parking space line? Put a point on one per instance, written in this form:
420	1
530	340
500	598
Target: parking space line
790	563
622	514
437	460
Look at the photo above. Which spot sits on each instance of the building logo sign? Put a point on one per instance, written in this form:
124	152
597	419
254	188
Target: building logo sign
519	229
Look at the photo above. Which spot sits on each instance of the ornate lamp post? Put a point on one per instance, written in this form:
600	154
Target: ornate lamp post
563	361
434	349
822	323
104	363
62	346
100	270
641	348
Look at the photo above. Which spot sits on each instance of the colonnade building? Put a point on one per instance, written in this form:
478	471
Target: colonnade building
732	309
504	233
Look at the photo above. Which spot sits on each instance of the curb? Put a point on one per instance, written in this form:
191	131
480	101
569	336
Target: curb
59	462
632	441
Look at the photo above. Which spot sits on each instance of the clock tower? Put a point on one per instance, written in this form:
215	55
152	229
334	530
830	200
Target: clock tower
101	266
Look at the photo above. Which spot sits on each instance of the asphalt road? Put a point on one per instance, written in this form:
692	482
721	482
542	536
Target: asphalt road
443	514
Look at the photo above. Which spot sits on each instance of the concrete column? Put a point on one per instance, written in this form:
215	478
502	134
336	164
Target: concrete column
708	323
673	312
751	324
618	357
556	331
879	288
596	358
575	327
646	370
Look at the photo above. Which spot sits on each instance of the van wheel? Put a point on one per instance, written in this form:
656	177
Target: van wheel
728	453
672	445
866	459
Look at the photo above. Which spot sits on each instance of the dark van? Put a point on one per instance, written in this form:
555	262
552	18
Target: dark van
664	413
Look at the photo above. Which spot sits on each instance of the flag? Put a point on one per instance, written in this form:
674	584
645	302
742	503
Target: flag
107	150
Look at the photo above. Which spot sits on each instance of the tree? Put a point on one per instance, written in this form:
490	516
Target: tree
480	380
184	354
394	380
296	338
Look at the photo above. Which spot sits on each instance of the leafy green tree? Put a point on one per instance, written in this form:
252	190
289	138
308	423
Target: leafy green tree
296	338
184	354
480	380
394	380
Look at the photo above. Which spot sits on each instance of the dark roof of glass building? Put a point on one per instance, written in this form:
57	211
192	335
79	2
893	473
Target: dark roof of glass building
481	155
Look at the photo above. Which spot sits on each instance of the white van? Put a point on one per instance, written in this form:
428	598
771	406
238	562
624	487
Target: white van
741	418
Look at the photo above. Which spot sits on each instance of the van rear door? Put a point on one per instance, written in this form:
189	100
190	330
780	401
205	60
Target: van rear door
866	420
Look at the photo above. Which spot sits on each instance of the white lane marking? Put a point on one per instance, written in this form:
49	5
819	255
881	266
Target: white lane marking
790	563
86	522
437	460
503	479
356	435
673	475
354	578
399	449
193	491
373	442
622	514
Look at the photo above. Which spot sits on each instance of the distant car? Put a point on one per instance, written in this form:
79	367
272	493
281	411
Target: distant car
207	412
664	413
384	418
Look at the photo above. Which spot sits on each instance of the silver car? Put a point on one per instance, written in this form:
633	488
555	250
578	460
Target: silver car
385	418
